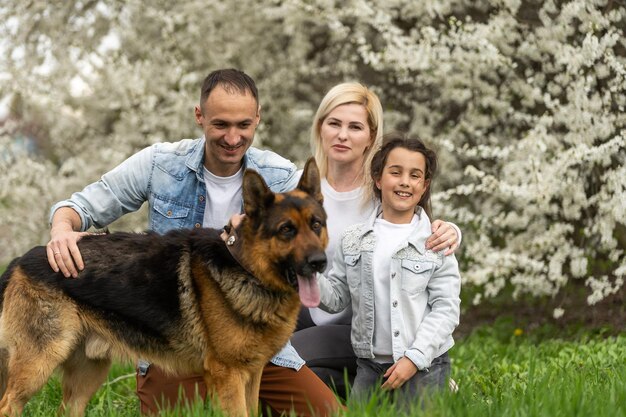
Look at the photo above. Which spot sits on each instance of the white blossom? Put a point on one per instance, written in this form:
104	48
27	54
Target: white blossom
527	113
557	313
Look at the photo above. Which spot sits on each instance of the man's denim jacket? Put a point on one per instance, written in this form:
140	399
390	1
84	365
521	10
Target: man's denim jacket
169	176
424	291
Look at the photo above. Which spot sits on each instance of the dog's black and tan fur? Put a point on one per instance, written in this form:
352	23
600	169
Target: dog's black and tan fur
179	300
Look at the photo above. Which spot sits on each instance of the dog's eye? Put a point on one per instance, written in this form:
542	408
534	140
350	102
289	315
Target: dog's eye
316	225
287	230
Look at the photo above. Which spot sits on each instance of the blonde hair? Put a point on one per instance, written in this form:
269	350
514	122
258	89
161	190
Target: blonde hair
350	93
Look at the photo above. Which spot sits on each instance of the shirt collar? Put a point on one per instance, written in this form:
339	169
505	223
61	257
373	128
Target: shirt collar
416	239
196	157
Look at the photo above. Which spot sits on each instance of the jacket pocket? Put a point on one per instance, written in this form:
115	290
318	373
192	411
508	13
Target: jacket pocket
415	275
168	215
353	270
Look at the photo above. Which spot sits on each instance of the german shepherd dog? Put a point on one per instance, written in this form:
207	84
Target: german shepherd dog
186	300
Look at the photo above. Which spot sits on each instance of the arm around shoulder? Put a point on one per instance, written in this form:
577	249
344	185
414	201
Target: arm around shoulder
445	236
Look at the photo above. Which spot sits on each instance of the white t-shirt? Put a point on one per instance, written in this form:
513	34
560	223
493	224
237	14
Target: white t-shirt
343	209
389	238
223	198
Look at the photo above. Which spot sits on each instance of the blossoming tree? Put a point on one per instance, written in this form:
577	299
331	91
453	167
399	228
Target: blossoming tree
524	100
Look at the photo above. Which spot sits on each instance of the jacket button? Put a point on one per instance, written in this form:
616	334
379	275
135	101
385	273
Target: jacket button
201	198
169	213
417	267
197	225
393	275
395	304
396	333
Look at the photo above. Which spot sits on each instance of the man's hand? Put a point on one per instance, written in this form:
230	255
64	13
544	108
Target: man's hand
62	250
234	222
63	253
399	373
444	237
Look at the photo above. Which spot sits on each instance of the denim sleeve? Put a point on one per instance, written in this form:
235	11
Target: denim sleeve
291	182
280	174
287	357
444	289
122	190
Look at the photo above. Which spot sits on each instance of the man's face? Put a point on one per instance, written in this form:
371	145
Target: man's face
228	120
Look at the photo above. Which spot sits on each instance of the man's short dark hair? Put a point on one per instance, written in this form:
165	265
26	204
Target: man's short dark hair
232	80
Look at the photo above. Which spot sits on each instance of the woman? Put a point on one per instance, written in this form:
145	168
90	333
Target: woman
345	134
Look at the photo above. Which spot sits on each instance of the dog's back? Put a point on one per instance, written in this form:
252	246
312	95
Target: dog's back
131	282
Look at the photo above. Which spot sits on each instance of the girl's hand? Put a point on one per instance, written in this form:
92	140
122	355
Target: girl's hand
399	373
444	237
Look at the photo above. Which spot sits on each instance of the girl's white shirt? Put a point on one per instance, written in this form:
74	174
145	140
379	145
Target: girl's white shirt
390	237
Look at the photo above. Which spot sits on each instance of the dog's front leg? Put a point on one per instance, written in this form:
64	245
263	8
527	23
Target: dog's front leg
228	389
252	391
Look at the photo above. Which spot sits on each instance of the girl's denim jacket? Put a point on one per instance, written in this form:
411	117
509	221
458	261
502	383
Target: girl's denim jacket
425	289
169	176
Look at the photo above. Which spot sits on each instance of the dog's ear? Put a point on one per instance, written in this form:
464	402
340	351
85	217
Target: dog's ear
310	181
256	194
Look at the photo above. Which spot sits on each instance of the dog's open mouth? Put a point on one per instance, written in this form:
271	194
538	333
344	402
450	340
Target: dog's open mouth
307	287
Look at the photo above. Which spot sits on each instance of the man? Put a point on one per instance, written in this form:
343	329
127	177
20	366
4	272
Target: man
193	183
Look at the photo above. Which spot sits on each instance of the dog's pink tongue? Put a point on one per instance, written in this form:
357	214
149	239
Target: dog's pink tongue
309	291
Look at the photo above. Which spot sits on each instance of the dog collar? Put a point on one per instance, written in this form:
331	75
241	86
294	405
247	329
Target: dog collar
233	244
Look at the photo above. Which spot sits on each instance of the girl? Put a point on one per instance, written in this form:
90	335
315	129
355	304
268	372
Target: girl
404	298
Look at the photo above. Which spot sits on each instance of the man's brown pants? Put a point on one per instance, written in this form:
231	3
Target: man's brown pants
282	390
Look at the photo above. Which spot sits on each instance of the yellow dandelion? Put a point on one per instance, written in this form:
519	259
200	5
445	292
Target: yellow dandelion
518	332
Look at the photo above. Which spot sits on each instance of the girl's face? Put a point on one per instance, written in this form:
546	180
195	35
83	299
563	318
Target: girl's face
346	134
402	184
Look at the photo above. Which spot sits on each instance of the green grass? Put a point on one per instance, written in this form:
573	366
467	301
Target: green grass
519	377
501	371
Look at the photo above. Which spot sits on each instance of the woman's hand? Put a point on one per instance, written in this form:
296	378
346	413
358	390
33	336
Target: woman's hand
444	237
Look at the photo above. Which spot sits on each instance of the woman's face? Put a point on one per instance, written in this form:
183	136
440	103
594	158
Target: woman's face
346	134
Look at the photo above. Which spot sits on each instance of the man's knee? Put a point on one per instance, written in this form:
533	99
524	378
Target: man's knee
287	390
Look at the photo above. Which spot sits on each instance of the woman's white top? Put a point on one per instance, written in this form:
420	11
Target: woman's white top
343	209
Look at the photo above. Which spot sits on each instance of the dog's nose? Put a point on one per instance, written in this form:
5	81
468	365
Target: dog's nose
318	261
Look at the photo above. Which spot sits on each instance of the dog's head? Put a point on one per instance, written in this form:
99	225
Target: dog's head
286	233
